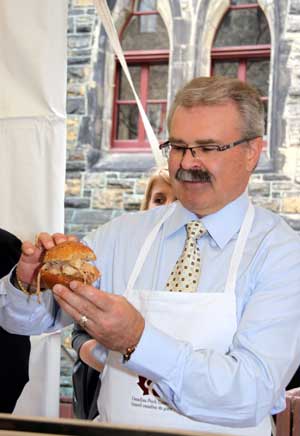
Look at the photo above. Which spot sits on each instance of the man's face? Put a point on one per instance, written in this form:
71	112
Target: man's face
228	171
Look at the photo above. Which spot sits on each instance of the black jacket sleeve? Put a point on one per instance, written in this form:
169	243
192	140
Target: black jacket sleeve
15	348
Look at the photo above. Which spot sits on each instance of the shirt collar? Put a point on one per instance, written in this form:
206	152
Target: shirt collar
221	225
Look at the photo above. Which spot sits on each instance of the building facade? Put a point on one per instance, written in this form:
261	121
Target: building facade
166	43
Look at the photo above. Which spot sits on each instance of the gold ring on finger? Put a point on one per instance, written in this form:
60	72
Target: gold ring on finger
83	321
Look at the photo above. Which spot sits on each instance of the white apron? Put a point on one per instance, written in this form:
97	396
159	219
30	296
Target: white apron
125	398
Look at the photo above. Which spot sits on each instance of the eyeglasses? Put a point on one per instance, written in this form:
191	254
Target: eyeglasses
176	148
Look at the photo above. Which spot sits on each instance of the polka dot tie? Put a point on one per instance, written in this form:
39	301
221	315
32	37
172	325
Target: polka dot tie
186	273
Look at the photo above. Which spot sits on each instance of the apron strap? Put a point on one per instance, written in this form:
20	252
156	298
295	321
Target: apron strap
146	247
239	249
234	262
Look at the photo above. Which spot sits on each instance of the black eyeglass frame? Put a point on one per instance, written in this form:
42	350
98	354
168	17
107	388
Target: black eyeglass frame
206	147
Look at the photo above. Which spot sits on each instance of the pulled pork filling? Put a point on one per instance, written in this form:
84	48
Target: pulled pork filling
77	268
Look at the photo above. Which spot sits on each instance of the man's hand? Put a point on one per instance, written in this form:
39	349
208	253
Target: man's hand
32	255
111	319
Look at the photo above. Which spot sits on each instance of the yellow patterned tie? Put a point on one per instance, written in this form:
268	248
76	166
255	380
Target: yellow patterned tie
186	273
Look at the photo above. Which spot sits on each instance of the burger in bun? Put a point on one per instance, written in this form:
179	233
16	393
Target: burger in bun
66	262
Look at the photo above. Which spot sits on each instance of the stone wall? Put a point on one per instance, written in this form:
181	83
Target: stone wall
101	185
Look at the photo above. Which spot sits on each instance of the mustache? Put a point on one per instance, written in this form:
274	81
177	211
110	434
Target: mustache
191	175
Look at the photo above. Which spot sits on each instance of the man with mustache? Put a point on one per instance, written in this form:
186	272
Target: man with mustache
197	313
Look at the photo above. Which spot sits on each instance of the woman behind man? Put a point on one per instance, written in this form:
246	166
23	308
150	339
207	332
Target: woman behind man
86	372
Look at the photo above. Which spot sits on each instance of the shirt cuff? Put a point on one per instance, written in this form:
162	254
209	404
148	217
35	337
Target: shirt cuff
20	300
157	355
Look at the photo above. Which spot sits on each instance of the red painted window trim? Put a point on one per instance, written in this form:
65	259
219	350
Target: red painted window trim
144	59
243	51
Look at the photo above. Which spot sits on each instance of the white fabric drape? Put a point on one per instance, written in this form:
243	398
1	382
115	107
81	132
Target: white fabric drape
33	154
32	115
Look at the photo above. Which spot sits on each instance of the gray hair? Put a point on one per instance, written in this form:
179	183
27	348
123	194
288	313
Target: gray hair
207	91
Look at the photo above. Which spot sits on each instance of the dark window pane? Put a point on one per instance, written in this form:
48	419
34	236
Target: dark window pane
243	2
157	115
258	75
146	5
127	121
141	35
266	105
225	68
243	27
125	92
148	23
158	82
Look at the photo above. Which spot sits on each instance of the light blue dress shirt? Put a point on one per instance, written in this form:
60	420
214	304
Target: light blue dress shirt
236	389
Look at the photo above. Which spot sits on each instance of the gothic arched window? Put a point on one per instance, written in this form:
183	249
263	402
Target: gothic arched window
242	46
145	43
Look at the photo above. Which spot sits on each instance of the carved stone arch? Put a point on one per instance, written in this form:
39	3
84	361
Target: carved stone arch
96	127
102	94
209	16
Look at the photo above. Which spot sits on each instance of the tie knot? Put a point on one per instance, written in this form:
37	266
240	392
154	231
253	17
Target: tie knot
195	229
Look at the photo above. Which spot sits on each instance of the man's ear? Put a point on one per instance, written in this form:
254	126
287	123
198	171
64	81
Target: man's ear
254	148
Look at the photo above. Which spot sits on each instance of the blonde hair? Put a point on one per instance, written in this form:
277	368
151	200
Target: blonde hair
216	90
158	173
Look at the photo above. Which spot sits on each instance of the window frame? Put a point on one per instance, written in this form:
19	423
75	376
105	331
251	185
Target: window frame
144	59
241	53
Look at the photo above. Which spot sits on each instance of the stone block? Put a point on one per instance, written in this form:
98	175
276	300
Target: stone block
123	184
70	25
293	24
281	186
75	105
72	187
132	202
76	165
83	3
72	129
259	189
291	205
75	89
78	73
84	24
94	180
91	217
77	202
107	199
273	205
78	60
294	7
275	177
69	213
79	42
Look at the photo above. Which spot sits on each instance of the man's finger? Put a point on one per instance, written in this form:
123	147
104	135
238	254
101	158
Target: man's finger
100	299
30	253
74	304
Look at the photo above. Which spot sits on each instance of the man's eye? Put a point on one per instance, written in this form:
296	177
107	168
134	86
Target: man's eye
208	148
177	148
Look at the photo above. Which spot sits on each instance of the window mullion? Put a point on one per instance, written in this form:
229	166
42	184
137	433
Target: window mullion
143	97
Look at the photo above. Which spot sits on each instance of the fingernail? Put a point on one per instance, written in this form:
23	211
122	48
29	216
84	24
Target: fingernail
57	289
30	251
74	285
